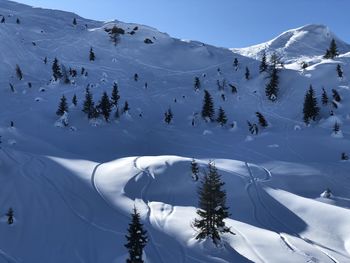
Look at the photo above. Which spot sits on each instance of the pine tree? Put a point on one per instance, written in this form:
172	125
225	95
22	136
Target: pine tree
324	97
136	239
115	95
212	207
310	109
222	119
194	169
332	52
74	21
88	105
92	55
105	106
9	215
168	116
18	21
208	106
45	60
2	20
126	107
271	89
339	71
197	84
235	64
336	95
19	73
262	121
336	128
75	100
56	70
62	107
263	64
247	73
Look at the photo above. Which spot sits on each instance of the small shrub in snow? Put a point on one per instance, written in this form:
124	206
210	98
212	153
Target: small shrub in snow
10	216
148	41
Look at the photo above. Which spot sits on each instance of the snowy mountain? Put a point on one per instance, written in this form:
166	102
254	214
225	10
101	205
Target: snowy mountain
72	188
295	44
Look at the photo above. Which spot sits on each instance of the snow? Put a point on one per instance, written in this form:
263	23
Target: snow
73	188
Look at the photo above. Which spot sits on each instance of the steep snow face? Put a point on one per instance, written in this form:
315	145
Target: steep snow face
303	42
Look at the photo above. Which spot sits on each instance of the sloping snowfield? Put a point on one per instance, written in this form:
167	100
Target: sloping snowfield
72	188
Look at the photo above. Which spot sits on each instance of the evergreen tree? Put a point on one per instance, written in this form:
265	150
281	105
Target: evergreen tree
62	107
75	100
235	64
324	97
197	84
19	73
271	89
92	55
247	73
105	106
310	110
115	95
262	121
45	60
9	215
56	70
332	52
212	207
74	21
88	105
208	106
18	21
336	128
126	107
222	119
263	64
136	239
168	116
339	71
336	95
2	20
194	169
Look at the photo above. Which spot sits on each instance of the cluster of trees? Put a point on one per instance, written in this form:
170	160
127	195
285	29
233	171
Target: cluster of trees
104	107
311	109
211	214
208	112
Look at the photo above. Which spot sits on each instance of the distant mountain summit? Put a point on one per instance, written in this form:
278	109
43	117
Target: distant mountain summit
306	41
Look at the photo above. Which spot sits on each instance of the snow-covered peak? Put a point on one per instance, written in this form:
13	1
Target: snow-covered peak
303	42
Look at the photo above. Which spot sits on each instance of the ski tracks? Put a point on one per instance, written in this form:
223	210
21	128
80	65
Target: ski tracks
283	238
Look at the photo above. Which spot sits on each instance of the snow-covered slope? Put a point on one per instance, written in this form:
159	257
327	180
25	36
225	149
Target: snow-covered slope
72	188
300	43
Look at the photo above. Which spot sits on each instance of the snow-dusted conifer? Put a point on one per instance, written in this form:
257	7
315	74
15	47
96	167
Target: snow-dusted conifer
62	107
212	207
136	239
208	106
222	119
310	109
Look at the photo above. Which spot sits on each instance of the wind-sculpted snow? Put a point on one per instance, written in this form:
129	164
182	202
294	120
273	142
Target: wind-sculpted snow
72	186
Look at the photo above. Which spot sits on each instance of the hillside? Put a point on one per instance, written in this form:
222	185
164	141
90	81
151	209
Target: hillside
72	188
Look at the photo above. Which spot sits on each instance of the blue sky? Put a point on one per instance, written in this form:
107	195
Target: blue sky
226	23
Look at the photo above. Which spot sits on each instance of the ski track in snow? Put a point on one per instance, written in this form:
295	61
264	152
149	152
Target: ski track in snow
283	238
